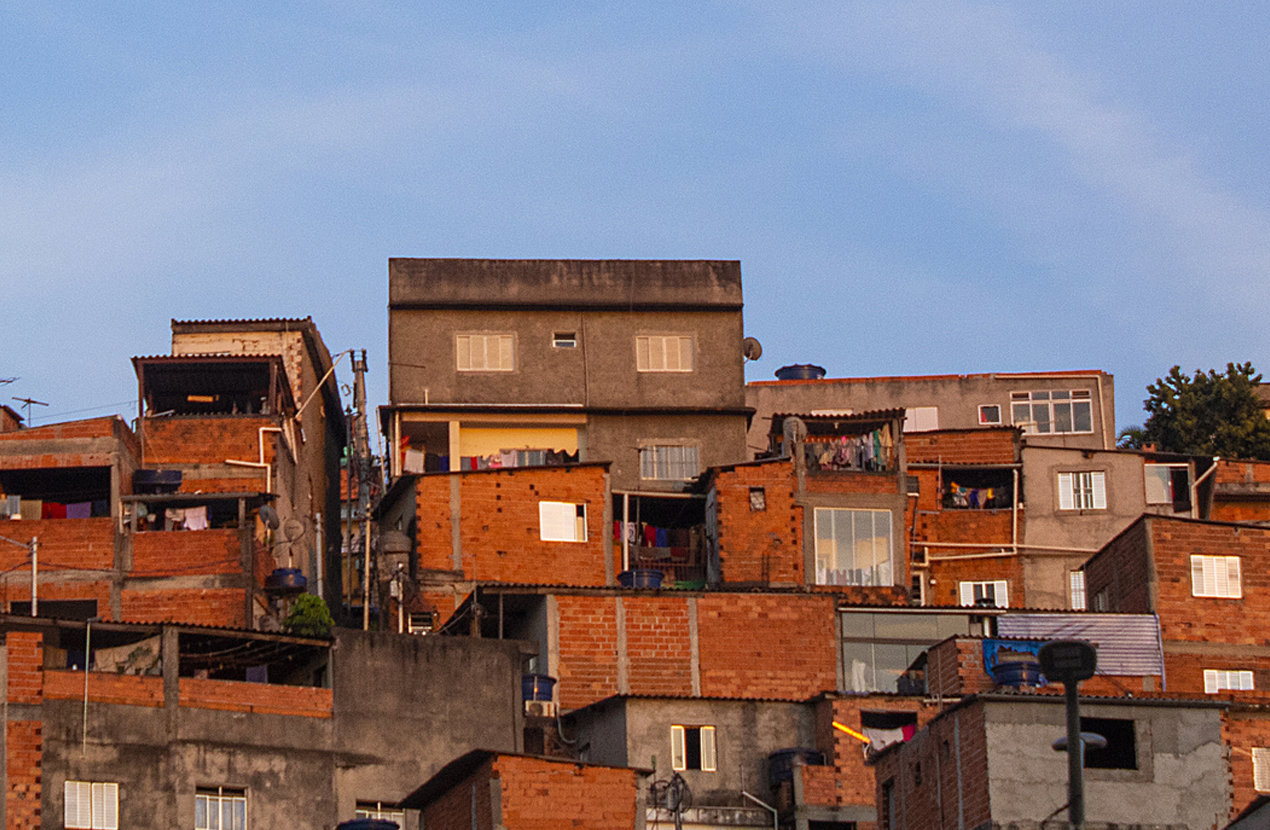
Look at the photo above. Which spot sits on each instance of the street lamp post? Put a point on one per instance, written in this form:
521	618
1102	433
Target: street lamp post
1071	661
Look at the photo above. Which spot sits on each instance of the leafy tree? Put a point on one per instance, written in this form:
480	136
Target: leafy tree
1130	438
1212	413
309	617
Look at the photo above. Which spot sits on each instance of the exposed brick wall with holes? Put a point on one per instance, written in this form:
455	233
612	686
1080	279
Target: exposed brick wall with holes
195	606
24	739
257	698
999	445
923	770
544	795
1244	728
204	440
104	687
846	778
500	530
658	647
756	646
948	574
164	553
63	543
760	546
453	809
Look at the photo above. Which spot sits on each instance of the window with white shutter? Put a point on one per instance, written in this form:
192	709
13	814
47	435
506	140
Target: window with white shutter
1077	582
993	593
663	353
1215	576
485	352
1082	490
560	521
1220	680
91	805
693	747
1261	769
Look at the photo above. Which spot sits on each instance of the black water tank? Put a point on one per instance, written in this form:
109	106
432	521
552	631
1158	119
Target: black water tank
800	371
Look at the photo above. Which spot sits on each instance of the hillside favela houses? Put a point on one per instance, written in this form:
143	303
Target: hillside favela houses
608	584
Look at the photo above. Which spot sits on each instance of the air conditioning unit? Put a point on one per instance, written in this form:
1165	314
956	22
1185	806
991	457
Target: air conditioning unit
540	708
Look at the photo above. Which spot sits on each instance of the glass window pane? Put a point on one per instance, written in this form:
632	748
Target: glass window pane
1062	417
951	624
889	662
1082	416
1040	396
858	624
1019	412
857	667
1061	396
1041	414
908	627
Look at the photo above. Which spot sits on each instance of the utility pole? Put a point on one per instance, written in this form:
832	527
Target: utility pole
361	453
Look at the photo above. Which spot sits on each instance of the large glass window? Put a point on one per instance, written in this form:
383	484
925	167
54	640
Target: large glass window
1053	411
853	547
877	649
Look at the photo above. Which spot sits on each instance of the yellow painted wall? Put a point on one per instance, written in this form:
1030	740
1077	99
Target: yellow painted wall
485	441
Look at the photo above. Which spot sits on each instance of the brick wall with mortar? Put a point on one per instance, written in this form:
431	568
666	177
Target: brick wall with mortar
948	574
164	553
955	668
63	543
195	606
24	744
499	530
455	808
204	440
749	646
1121	572
963	446
846	778
258	698
538	794
760	546
1241	490
1244	728
953	790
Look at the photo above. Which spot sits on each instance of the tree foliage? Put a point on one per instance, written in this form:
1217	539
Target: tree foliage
1213	413
309	617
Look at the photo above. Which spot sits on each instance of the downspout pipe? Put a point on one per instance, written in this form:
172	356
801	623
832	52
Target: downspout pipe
765	806
1195	487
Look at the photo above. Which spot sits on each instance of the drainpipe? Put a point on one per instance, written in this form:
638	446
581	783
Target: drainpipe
35	574
765	806
626	539
1014	519
268	468
1195	487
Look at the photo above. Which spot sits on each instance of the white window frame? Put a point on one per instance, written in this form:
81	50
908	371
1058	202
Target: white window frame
880	573
970	592
1261	769
91	805
564	340
376	809
1076	583
707	749
219	796
561	521
664	353
1216	576
1234	680
1025	406
1151	476
1082	490
983	421
657	462
503	352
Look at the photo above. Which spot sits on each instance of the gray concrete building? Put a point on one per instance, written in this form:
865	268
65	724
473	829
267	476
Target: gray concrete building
530	362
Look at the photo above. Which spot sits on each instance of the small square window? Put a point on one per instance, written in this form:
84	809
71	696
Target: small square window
989	414
758	499
1082	491
220	808
565	340
993	594
1216	576
91	805
668	462
663	353
485	352
1121	751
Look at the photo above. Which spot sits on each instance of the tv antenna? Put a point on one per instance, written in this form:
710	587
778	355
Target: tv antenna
28	402
7	380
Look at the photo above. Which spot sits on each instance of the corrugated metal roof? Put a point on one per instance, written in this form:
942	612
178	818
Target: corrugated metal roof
1128	644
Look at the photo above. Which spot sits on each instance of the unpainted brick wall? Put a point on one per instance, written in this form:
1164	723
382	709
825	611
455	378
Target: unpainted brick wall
963	446
167	553
948	574
500	531
757	646
63	543
258	698
24	741
195	606
1122	569
763	546
545	795
1244	728
104	687
587	650
206	440
454	808
658	647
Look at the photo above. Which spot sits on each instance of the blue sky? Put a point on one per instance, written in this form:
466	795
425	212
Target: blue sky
911	188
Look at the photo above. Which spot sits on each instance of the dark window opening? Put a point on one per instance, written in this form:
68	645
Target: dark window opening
88	488
887	720
58	609
1121	751
977	489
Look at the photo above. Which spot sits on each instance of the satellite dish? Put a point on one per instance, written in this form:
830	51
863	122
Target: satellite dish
293	529
751	348
269	516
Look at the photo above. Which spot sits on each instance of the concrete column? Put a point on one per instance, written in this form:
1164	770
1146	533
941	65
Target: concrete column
553	637
623	658
456	525
694	646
